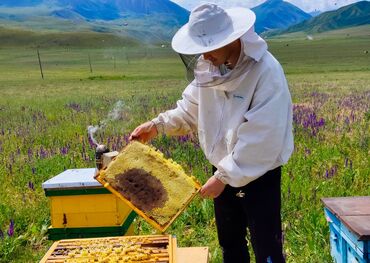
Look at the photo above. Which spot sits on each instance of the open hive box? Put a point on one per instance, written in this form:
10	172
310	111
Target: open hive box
145	249
156	188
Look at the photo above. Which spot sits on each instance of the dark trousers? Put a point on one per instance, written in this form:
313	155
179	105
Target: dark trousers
259	211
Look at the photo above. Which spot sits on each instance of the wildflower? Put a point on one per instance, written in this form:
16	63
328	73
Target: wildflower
63	150
43	153
92	143
30	153
11	228
31	186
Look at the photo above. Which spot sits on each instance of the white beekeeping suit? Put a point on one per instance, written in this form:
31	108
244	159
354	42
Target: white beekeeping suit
243	117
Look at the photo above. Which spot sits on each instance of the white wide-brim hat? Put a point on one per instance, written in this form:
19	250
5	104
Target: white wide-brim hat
210	27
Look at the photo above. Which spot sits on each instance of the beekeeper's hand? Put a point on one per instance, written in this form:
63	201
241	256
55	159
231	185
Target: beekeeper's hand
213	188
144	132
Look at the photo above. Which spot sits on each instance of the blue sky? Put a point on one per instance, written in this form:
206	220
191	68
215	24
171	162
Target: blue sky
306	5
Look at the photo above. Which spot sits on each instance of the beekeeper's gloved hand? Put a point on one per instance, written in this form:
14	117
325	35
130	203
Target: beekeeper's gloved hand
144	132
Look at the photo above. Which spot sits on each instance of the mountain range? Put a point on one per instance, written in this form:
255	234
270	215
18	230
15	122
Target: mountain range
352	15
155	21
105	9
147	20
277	14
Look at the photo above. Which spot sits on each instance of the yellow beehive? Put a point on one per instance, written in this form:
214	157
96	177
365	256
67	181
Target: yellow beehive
81	207
156	188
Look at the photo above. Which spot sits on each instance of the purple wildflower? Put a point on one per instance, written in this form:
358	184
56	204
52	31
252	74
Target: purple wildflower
43	153
305	117
346	121
64	150
329	173
92	143
31	186
11	228
30	153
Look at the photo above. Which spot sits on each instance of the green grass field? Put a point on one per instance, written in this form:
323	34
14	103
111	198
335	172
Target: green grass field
43	132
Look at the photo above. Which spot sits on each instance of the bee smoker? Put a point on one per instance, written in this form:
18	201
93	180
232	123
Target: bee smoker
100	150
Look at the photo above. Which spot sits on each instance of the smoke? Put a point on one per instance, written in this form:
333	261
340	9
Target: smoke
119	111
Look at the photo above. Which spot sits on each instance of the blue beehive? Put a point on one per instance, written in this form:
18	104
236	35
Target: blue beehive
349	224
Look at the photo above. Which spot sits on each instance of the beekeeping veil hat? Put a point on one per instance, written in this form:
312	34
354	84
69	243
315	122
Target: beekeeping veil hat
211	27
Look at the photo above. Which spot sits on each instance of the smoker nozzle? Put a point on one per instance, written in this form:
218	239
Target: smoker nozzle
100	150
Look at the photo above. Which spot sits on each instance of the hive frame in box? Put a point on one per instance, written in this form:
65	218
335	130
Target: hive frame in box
172	246
141	213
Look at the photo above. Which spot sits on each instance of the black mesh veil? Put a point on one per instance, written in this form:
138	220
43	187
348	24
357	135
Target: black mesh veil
190	61
202	73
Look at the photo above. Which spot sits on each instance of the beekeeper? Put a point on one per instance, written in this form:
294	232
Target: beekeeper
240	106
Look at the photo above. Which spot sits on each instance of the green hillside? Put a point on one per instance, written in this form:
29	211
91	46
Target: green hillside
145	20
17	37
345	33
348	16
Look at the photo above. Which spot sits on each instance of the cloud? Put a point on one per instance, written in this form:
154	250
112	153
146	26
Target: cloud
305	5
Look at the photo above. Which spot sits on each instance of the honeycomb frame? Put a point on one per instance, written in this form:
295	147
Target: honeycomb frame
135	157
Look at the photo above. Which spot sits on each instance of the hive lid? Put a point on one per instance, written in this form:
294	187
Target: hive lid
348	206
73	178
360	225
353	211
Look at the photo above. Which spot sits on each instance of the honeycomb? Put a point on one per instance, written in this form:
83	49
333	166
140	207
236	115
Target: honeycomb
134	249
156	186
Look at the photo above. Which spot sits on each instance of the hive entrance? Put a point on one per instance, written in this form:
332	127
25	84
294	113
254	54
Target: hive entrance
141	188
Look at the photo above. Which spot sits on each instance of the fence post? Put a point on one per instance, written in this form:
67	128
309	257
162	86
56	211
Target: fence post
127	58
91	71
38	55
